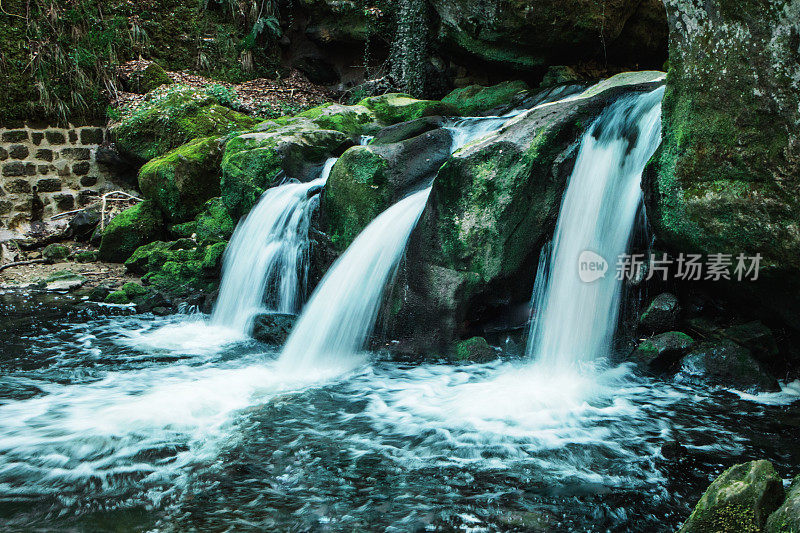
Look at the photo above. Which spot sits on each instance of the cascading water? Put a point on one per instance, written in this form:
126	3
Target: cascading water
265	262
342	311
574	320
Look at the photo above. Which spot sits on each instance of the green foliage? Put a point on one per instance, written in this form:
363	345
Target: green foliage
225	95
60	59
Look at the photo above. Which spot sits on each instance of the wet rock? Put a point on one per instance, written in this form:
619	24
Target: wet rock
273	328
787	518
475	350
673	450
55	253
117	297
757	338
662	352
740	500
366	180
727	364
99	293
661	315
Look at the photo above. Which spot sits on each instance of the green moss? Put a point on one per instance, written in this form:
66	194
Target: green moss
56	252
117	297
214	223
133	290
181	181
394	107
475	349
177	268
150	78
172	116
355	194
478	100
86	256
130	229
352	120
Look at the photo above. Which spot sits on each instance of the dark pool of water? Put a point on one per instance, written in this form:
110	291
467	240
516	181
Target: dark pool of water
143	423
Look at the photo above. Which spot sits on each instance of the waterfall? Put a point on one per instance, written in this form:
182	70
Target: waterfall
265	263
341	313
574	320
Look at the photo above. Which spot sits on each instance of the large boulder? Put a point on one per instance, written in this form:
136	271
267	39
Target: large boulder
172	116
661	315
492	207
178	267
397	107
725	363
725	177
740	500
525	35
787	518
129	230
182	180
368	179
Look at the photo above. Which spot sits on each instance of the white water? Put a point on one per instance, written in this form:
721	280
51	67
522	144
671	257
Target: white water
574	321
342	311
266	261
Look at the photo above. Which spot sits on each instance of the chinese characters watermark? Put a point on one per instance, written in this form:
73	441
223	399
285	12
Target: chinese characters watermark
685	267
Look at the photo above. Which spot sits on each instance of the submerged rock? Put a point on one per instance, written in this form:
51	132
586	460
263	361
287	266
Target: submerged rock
661	315
740	500
663	351
787	518
129	230
727	364
182	180
273	328
757	338
724	178
475	349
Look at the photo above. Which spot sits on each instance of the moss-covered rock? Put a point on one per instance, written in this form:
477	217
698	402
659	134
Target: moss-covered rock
396	107
661	352
214	223
661	315
177	267
148	79
129	230
739	500
56	252
117	297
492	207
724	178
257	160
366	180
133	290
725	363
88	256
787	518
182	180
352	120
477	100
475	350
172	116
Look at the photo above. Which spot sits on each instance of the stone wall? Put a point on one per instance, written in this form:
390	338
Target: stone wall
46	170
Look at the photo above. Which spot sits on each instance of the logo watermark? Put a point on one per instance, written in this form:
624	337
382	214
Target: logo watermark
686	267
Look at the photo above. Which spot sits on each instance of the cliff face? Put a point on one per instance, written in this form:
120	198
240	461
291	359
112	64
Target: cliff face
725	179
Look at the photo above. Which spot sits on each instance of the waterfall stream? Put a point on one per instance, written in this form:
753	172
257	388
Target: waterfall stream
266	261
575	318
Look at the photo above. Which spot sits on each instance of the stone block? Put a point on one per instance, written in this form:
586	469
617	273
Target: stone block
18	186
44	154
15	136
77	154
81	168
18	151
49	185
91	136
89	181
55	137
15	168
